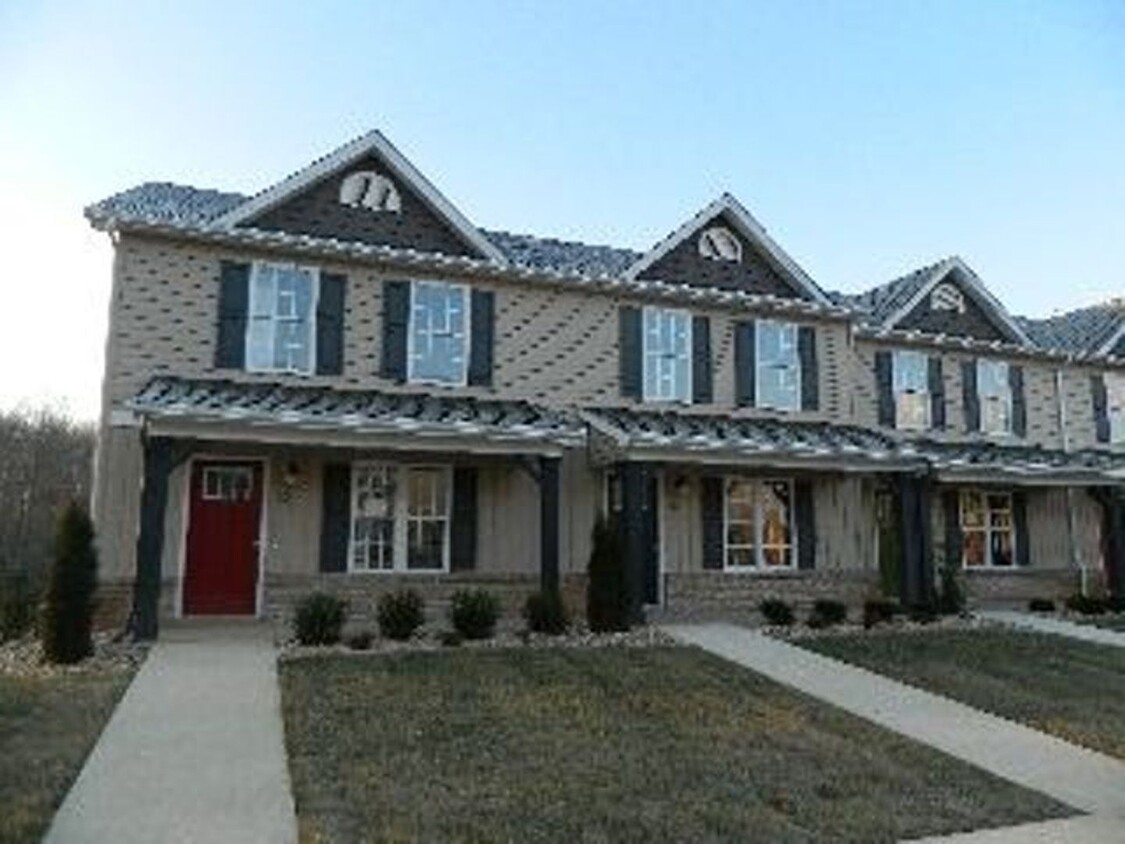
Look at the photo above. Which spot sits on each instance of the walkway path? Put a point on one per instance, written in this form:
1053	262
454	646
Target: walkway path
1081	778
1047	624
195	751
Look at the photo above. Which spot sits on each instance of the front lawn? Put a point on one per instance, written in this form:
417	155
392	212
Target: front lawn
1072	689
658	744
48	725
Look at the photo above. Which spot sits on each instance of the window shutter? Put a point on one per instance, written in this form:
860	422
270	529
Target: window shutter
1101	407
396	324
937	394
234	302
336	512
330	324
884	385
463	525
632	364
806	524
701	387
712	495
954	543
481	331
810	377
969	395
744	363
1019	517
1019	404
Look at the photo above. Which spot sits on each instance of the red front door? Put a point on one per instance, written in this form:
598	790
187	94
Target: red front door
221	570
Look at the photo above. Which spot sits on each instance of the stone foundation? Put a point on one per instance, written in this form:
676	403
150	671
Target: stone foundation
113	601
1017	586
735	596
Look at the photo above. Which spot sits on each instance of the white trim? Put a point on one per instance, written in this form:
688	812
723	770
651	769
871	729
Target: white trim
743	221
759	566
467	306
396	162
689	352
314	304
976	289
796	408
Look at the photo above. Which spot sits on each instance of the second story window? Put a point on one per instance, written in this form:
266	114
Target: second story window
911	390
778	365
1115	406
280	331
439	333
994	392
667	355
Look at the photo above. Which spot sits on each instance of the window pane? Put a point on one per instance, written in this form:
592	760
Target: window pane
373	517
425	545
911	371
427	517
912	411
972	510
279	330
995	415
438	332
992	378
1001	548
777	557
666	355
974	548
777	388
740	557
777	342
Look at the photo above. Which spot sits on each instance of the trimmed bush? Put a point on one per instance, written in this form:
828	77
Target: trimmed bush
1041	605
826	613
776	612
1086	604
400	613
473	613
319	619
607	585
546	613
951	600
879	611
69	606
360	640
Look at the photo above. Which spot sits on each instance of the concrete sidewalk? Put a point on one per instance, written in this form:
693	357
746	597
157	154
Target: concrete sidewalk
1074	775
1046	624
195	750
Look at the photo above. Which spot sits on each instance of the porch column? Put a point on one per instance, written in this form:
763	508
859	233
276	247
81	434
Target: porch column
549	524
634	477
159	460
915	494
1113	508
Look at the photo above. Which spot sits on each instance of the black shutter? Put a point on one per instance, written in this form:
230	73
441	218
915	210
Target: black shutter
234	302
884	386
336	511
330	324
463	527
396	324
744	364
806	524
1101	407
810	378
632	366
483	305
1019	404
1019	517
953	540
701	387
712	495
969	395
937	394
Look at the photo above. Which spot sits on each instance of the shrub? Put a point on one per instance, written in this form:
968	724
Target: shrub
826	613
450	638
473	613
607	585
951	600
923	613
17	605
400	613
360	640
1041	605
776	612
879	611
546	613
1115	603
1086	604
69	606
319	619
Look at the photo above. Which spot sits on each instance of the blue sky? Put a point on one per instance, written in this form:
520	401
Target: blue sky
869	138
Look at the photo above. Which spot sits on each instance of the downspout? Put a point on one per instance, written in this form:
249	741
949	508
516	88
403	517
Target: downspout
1076	563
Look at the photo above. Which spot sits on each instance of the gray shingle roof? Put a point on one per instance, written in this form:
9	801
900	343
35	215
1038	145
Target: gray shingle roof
1027	461
168	203
538	253
1082	330
875	305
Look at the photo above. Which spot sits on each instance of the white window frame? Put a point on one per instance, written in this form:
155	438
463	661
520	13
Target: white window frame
663	313
984	398
759	364
314	302
897	368
1115	414
759	565
987	529
466	304
402	518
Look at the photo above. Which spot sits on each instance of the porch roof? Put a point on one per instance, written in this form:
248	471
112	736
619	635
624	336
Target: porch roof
268	411
984	461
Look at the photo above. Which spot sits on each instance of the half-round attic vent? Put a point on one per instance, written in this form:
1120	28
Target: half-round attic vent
720	244
368	189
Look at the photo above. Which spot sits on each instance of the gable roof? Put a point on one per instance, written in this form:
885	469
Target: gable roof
538	253
1094	330
744	222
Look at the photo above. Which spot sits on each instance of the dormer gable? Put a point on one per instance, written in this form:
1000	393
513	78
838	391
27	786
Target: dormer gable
368	192
723	246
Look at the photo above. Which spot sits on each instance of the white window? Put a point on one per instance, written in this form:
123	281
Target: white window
912	390
281	329
994	393
1115	405
987	532
720	244
667	355
400	517
439	333
758	524
779	368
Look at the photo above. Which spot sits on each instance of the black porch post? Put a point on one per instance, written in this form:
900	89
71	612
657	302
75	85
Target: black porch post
915	501
549	524
1113	506
159	460
632	525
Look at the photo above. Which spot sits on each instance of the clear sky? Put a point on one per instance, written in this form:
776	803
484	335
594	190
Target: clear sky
869	138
